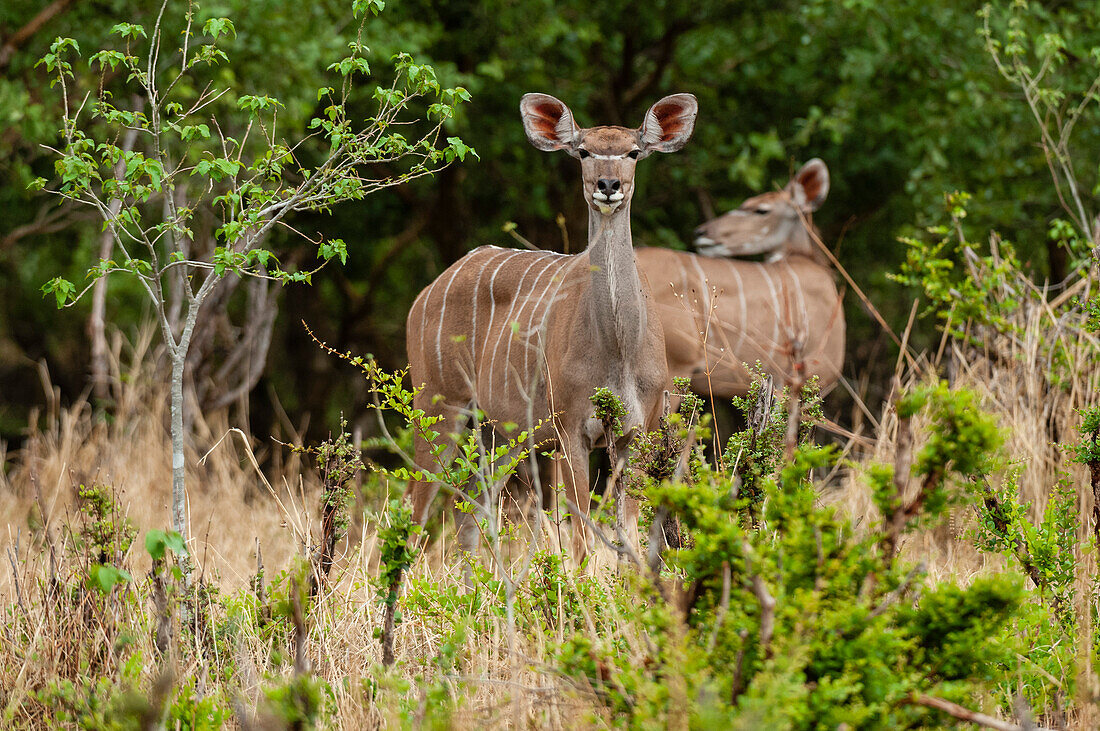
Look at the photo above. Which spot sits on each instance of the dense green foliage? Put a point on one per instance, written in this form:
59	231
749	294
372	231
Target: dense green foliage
900	98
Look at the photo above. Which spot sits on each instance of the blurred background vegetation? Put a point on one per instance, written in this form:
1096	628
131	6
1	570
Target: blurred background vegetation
899	97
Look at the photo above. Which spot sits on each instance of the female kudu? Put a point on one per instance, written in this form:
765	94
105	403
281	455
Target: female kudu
719	313
525	336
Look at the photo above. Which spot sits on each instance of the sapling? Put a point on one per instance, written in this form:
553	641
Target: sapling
184	162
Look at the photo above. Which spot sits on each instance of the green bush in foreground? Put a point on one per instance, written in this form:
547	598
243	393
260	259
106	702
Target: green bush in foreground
800	621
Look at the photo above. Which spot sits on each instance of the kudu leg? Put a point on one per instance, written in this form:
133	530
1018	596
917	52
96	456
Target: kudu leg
468	534
420	493
579	499
630	514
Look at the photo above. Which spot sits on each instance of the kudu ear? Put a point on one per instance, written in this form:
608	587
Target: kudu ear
669	123
548	122
810	185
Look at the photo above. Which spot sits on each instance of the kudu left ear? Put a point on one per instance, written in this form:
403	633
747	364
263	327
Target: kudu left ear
669	123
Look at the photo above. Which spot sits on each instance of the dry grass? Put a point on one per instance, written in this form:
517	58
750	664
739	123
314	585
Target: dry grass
1035	381
231	506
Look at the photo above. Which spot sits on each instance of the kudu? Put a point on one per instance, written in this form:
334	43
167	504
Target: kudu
784	312
525	336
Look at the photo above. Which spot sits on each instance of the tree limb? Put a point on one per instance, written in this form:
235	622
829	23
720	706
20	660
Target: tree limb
965	714
24	34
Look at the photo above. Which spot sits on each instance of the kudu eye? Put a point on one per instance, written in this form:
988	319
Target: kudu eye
582	153
633	154
762	211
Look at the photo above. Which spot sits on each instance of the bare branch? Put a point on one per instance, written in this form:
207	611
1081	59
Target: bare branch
24	34
767	603
965	714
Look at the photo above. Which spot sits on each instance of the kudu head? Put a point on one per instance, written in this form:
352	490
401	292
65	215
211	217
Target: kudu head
608	154
773	223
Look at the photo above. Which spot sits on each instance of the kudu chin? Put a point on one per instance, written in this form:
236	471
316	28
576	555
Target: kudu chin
719	313
527	336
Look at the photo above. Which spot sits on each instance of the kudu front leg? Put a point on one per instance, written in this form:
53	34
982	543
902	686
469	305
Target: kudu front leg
578	496
467	530
626	505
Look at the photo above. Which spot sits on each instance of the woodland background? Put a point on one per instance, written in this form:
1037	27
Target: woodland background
936	562
899	97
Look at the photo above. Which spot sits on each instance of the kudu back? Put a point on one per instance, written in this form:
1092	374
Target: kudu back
526	336
719	312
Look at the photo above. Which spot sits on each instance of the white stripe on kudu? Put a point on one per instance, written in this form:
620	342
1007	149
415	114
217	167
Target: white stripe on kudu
775	344
443	313
804	318
525	334
476	296
743	306
493	304
561	264
427	295
506	331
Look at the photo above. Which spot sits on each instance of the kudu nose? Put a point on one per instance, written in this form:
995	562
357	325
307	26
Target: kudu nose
606	186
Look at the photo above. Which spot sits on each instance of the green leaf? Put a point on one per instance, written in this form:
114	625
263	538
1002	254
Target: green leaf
106	577
256	103
159	542
334	247
61	288
362	7
216	27
129	30
458	148
107	58
193	132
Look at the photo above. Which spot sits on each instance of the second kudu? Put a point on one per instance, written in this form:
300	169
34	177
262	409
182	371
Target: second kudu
784	312
525	336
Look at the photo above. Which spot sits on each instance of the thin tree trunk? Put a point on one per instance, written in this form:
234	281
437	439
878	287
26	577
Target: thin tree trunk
97	320
179	513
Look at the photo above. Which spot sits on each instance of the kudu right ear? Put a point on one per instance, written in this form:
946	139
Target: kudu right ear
548	123
810	185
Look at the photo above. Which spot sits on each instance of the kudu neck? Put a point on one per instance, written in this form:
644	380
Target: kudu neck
616	303
800	242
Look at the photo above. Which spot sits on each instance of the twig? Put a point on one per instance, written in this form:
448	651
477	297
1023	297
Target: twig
624	548
723	607
162	637
301	663
794	405
895	522
965	714
656	534
15	579
897	593
390	619
767	604
767	613
739	669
